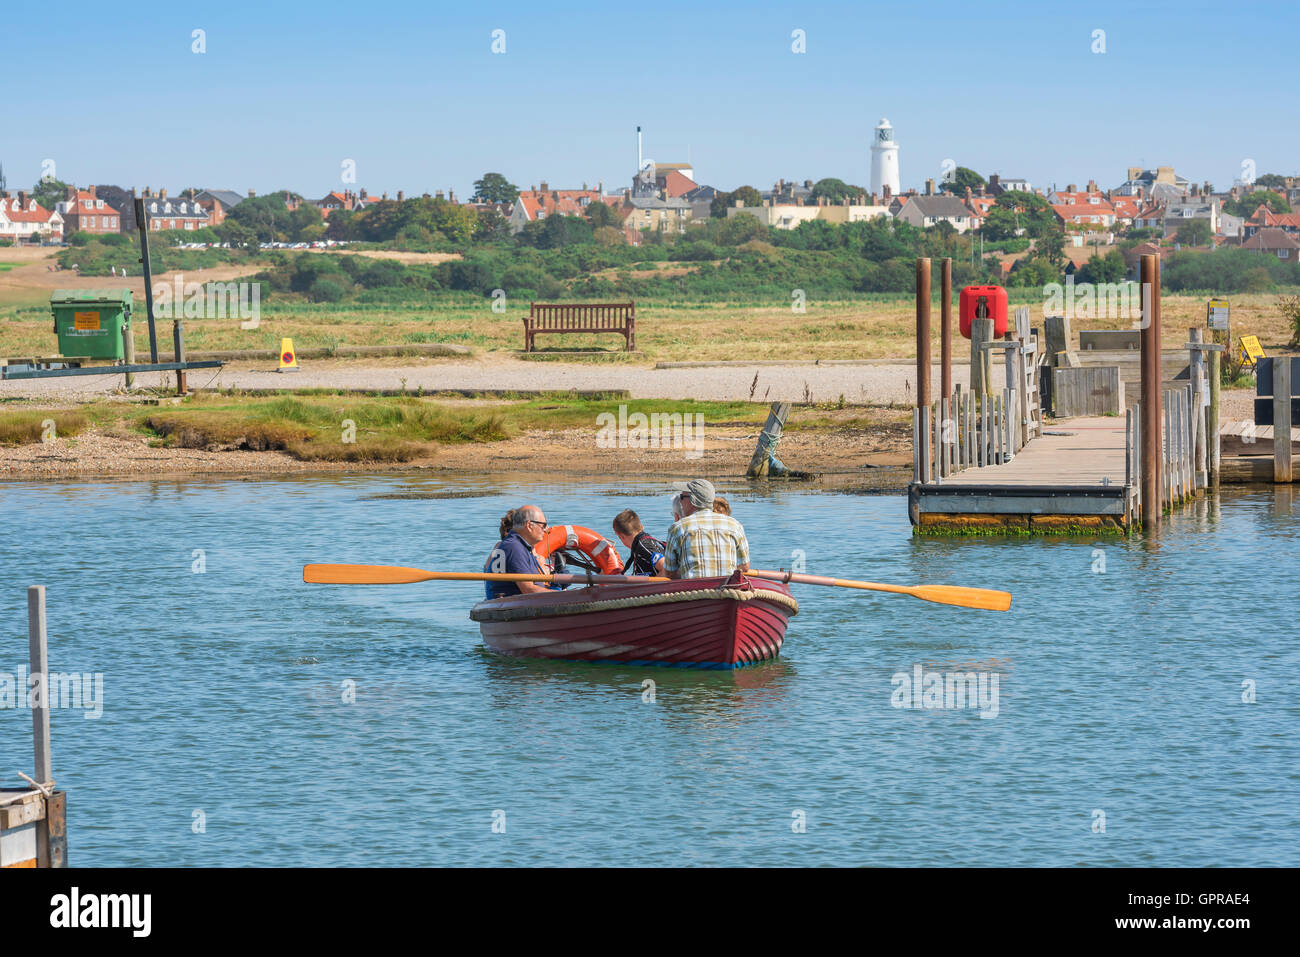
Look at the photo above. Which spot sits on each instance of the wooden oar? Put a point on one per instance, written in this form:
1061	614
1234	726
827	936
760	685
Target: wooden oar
943	594
401	575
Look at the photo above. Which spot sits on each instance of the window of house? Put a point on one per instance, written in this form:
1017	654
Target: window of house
90	221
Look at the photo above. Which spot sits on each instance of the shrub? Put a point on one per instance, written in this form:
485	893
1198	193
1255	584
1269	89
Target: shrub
325	290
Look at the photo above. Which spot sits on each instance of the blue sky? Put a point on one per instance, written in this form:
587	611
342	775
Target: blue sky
412	92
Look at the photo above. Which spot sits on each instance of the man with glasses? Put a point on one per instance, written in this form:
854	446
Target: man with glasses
514	554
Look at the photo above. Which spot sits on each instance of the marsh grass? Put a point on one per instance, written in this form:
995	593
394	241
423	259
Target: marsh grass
25	427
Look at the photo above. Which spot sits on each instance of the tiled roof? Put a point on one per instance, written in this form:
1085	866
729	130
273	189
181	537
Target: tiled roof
1271	239
15	212
675	184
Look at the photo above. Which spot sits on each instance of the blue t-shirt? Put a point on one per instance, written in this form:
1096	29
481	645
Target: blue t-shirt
512	556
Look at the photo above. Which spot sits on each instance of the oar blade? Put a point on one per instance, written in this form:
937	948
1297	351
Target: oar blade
362	575
985	598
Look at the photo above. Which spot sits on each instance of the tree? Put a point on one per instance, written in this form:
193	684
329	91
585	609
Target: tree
49	191
494	188
603	214
832	190
962	178
1247	205
1195	232
1103	269
723	201
1270	181
1051	246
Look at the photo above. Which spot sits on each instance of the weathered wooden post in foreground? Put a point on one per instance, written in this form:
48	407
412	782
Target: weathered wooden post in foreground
923	333
32	819
1152	441
760	464
1282	419
40	665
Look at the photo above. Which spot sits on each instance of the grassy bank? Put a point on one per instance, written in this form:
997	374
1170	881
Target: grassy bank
867	327
352	428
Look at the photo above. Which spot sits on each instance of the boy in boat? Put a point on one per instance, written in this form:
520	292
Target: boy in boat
704	543
647	552
514	553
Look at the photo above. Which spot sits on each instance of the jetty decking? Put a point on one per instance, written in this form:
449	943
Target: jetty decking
1076	475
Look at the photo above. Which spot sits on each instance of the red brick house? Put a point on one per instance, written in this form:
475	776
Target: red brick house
84	212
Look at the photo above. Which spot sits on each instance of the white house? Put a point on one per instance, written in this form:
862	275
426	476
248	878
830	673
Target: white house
22	218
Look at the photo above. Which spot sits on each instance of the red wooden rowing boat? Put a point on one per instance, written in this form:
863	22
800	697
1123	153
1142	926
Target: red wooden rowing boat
694	622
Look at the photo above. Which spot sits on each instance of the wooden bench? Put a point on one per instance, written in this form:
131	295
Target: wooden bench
581	317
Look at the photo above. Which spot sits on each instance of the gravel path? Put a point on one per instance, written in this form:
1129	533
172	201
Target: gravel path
859	384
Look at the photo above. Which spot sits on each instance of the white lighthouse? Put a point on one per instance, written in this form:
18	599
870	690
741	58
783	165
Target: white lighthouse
884	160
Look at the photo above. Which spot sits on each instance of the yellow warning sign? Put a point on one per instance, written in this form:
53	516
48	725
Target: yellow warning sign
85	320
288	358
1250	350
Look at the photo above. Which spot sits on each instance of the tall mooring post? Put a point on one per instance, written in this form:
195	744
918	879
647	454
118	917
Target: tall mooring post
1152	440
142	220
923	333
945	331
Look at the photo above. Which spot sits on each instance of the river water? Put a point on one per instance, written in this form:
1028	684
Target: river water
1140	701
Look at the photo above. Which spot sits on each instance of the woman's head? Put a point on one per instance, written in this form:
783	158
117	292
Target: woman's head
721	505
507	522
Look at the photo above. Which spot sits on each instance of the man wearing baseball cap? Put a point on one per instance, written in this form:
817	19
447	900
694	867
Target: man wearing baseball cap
703	543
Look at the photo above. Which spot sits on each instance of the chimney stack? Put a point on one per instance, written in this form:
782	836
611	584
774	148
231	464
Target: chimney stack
543	186
401	195
251	193
929	187
1092	186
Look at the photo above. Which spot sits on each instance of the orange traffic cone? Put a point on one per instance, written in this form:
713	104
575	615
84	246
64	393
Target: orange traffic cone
288	358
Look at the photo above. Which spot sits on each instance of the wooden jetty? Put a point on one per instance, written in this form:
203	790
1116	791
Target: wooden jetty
33	829
987	462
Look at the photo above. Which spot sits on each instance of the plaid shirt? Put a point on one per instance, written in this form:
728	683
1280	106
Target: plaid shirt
705	544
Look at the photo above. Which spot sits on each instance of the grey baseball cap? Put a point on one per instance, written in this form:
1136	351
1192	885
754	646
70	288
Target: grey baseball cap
699	490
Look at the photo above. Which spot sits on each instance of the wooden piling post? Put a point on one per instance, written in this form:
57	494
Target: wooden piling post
945	329
40	664
981	332
1282	419
178	351
923	333
1152	445
945	437
1212	421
